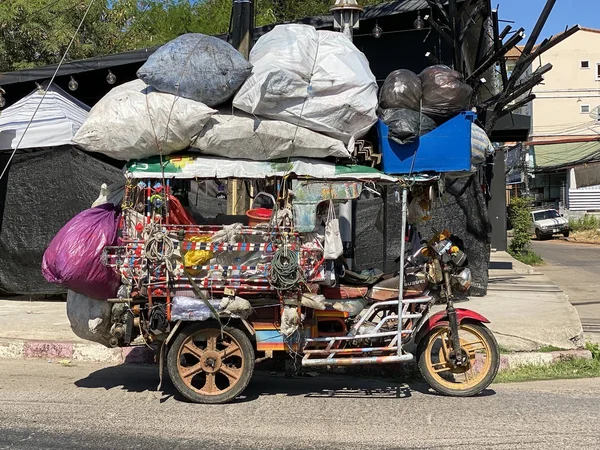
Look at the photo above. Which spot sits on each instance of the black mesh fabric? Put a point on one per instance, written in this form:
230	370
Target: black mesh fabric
463	212
44	189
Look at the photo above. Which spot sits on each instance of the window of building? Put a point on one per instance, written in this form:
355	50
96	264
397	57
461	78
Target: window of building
585	64
584	109
597	71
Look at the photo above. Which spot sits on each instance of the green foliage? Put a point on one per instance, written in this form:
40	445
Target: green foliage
564	369
520	244
548	349
594	348
518	213
37	32
530	258
585	223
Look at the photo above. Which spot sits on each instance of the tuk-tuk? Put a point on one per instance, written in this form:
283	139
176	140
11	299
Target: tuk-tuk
219	292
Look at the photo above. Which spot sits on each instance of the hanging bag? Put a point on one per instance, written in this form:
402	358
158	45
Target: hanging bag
333	248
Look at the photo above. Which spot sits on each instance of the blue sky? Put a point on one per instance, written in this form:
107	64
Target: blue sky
565	12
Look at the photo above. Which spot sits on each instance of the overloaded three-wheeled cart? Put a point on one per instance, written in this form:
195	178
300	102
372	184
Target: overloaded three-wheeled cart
217	293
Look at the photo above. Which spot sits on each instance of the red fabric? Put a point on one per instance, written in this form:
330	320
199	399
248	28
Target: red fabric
177	213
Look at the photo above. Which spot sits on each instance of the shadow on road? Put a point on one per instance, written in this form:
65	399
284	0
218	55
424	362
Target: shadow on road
324	385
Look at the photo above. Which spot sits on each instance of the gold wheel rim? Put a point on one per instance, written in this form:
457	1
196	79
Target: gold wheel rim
463	377
210	363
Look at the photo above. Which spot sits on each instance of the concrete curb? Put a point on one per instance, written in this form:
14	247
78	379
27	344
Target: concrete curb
522	268
74	351
520	359
83	352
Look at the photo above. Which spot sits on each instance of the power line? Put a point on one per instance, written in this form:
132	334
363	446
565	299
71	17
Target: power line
46	90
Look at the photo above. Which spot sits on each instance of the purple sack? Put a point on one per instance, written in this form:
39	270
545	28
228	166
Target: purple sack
73	258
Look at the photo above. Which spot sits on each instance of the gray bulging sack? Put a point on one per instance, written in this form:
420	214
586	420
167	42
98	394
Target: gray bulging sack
195	66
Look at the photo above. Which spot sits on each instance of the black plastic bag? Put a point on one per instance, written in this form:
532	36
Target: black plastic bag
405	125
445	94
202	68
401	89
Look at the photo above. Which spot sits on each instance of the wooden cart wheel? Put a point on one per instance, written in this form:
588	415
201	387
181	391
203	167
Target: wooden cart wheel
477	343
210	366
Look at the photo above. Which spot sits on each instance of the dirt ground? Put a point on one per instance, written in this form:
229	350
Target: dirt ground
585	237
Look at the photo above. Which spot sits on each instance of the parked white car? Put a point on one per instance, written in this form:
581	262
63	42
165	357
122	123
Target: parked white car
548	222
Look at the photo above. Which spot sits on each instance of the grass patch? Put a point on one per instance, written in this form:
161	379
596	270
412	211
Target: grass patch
549	348
594	348
527	257
504	349
565	369
585	223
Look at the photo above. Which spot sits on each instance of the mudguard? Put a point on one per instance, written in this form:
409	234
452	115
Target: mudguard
442	316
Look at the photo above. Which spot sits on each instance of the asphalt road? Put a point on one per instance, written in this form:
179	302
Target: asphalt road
575	268
48	406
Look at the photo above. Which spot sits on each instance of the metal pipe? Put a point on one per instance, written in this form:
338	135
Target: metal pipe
352	361
359	336
402	257
346	227
349	350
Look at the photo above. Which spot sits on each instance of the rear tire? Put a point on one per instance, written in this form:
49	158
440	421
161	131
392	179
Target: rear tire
210	365
437	370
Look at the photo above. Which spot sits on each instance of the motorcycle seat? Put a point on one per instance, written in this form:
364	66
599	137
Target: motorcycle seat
343	292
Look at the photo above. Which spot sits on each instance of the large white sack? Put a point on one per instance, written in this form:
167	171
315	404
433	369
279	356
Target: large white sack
316	79
248	137
134	121
90	318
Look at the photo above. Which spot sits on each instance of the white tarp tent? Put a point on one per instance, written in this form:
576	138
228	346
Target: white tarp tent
59	117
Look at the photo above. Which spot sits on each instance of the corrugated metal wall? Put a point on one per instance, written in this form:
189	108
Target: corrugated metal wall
585	199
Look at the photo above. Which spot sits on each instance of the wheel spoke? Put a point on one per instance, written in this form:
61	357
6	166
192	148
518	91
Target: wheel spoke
209	386
192	349
474	345
189	372
445	348
445	367
233	373
211	343
232	350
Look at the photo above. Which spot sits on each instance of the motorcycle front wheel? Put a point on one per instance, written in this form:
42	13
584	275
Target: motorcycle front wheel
479	346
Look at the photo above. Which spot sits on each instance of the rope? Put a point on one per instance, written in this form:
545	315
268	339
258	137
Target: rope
159	249
284	273
46	90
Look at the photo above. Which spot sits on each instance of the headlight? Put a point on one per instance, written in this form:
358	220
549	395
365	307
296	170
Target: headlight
463	280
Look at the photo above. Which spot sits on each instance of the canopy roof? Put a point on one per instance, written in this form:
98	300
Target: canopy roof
556	156
211	167
57	120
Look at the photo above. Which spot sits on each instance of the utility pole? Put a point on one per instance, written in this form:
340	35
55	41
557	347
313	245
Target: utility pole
242	38
346	14
242	26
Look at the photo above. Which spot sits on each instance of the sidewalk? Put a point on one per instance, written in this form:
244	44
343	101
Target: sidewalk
527	311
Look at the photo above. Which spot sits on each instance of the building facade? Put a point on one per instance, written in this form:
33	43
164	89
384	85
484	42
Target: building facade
565	117
567	104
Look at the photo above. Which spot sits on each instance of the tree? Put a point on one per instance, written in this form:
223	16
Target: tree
37	32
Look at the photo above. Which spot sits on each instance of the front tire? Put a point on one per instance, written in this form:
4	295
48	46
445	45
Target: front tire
208	365
477	342
566	234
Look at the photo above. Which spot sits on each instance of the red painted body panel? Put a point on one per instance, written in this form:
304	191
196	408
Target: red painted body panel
442	316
